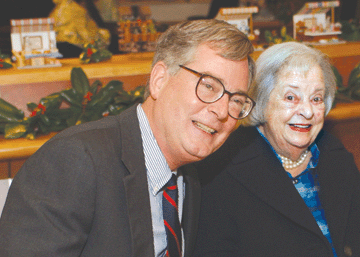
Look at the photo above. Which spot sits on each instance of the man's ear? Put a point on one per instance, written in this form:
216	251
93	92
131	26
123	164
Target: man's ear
158	79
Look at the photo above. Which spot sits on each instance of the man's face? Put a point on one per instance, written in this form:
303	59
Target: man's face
186	128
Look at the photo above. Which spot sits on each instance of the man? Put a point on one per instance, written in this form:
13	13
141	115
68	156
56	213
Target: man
97	189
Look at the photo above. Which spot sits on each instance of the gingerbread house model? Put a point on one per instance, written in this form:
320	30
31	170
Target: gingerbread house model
33	43
241	17
316	21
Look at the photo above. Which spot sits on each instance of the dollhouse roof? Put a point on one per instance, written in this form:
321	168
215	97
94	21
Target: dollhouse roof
304	11
317	7
32	25
236	13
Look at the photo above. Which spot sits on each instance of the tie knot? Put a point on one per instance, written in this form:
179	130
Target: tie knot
172	182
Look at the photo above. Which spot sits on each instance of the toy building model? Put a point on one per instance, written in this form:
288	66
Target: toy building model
136	31
316	21
33	43
241	17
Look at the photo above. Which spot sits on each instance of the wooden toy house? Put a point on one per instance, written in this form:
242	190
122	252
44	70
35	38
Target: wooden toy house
33	43
240	17
316	21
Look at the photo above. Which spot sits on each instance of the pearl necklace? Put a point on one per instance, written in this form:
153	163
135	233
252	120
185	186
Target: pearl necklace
289	164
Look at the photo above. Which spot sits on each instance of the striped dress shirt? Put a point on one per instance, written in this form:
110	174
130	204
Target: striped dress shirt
158	174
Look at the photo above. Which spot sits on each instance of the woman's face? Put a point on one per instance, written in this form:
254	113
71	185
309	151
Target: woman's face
296	110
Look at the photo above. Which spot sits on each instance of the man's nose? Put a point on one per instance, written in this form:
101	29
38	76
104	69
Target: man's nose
221	107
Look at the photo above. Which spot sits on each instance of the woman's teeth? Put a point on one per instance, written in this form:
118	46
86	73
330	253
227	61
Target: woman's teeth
300	126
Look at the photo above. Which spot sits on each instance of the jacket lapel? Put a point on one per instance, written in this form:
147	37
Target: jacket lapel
191	207
334	192
258	169
136	186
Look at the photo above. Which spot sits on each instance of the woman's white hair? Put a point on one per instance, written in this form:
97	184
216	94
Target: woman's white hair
282	57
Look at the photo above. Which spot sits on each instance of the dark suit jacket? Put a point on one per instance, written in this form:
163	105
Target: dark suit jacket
252	208
85	193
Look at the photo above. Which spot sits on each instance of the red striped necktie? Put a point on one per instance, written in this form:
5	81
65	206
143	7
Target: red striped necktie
171	218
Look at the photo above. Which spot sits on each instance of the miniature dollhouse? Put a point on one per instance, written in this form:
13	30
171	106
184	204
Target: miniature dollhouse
316	21
33	43
241	17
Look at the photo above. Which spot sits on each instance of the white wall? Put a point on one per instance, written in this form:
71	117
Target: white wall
174	12
162	11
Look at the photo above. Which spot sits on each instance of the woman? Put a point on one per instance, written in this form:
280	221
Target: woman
285	187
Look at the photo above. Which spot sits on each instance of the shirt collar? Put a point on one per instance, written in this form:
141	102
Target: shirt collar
158	171
315	152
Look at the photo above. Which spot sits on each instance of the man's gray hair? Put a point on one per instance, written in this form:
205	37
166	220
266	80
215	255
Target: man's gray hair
178	44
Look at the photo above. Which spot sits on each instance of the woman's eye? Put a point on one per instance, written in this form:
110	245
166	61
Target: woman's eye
318	99
290	97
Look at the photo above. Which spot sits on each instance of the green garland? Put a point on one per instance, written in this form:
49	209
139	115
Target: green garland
353	88
5	62
350	30
91	102
85	103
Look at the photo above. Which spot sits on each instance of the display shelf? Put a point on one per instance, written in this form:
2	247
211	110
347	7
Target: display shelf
133	64
21	147
344	111
117	66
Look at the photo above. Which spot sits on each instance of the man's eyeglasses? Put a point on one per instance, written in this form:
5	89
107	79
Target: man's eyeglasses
210	89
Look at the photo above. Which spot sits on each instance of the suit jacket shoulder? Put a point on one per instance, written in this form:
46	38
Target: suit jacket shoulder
84	193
